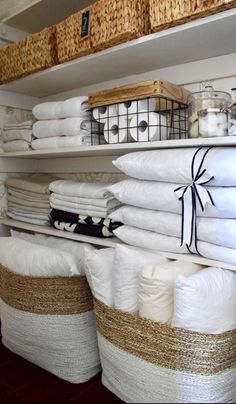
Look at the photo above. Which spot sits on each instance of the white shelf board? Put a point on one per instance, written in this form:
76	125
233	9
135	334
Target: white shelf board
200	39
104	242
119	149
42	13
109	242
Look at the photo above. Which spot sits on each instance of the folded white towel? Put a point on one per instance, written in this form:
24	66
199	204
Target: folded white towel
16	125
47	110
155	241
75	106
93	212
80	189
16	145
161	196
83	206
156	288
104	203
15	134
174	165
65	127
32	220
216	231
59	142
28	214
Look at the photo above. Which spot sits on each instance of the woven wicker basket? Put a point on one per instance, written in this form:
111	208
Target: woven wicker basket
50	322
168	13
35	52
148	362
107	23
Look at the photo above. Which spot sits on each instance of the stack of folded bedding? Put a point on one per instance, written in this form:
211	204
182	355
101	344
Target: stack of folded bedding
65	124
179	200
28	198
82	208
17	136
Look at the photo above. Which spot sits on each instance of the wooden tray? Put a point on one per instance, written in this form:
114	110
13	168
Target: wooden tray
140	90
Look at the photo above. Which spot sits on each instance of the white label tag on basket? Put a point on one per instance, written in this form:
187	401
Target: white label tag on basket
85	24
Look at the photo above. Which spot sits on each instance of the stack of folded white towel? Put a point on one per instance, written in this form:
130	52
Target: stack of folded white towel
65	124
17	136
160	202
82	207
177	293
28	198
132	121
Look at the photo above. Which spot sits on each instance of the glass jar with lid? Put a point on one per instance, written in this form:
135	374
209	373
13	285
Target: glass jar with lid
232	116
208	113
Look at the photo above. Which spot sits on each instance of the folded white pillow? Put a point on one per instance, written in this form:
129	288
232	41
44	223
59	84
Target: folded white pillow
156	288
35	260
128	264
76	249
206	301
98	269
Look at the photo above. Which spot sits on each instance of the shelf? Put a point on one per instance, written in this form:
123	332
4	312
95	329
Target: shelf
42	13
109	242
119	149
200	39
104	242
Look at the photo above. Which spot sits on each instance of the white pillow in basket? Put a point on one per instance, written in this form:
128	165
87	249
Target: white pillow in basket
156	288
128	264
206	301
98	269
35	260
75	248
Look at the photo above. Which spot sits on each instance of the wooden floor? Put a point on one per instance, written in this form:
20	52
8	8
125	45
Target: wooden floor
22	382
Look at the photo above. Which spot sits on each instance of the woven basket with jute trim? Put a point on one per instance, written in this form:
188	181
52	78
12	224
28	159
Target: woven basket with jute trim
35	52
106	22
147	361
45	295
168	13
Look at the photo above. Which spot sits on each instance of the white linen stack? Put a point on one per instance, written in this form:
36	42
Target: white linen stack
82	207
17	136
28	198
132	121
65	124
161	197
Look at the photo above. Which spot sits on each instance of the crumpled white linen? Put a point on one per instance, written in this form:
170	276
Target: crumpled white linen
212	230
21	257
156	289
127	267
206	302
174	165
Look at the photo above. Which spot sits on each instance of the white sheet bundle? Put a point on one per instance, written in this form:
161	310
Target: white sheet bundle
17	136
65	124
132	121
153	215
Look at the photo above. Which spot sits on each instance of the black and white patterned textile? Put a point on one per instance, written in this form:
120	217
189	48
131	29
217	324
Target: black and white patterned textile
86	229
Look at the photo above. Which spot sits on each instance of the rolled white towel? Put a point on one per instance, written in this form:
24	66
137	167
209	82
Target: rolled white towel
47	110
75	107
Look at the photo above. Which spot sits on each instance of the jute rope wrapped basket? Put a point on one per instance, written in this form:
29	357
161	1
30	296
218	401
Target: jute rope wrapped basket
50	322
109	22
35	52
148	362
168	13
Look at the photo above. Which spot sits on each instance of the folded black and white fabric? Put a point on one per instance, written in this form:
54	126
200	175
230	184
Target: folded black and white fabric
61	216
85	229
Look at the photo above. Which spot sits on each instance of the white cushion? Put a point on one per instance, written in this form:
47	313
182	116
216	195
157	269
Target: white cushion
76	249
156	288
128	264
98	269
206	301
35	260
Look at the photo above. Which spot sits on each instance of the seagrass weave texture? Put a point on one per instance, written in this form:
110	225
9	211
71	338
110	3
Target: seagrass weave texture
169	347
45	295
35	52
168	13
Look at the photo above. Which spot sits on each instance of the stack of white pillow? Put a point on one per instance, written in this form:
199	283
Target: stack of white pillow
180	294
